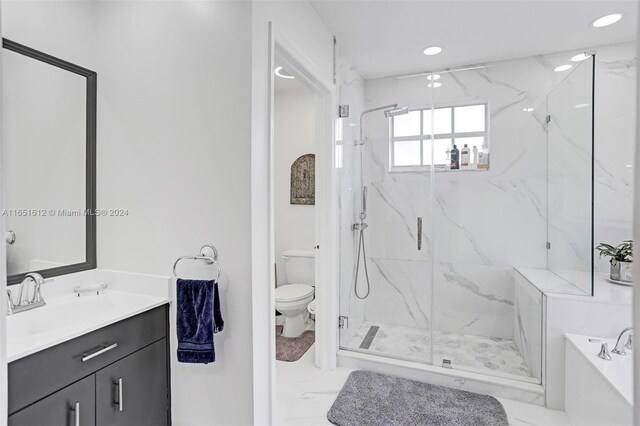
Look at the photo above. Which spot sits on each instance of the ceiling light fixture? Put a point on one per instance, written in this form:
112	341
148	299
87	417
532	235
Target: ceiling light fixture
433	50
580	57
606	20
279	72
563	68
581	105
434	85
433	77
527	109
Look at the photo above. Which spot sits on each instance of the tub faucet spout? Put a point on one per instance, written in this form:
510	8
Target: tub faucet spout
619	349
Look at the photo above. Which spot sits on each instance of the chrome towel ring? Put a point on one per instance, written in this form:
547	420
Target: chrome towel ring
208	253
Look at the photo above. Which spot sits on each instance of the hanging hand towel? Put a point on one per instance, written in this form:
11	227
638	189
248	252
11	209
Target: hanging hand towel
198	318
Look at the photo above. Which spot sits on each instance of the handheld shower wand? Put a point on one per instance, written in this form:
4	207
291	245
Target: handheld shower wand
389	111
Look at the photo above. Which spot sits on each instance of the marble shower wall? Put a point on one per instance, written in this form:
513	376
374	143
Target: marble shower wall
481	223
527	320
616	68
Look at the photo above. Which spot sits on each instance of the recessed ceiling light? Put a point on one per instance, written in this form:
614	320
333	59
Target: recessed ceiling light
434	85
562	68
581	105
580	57
433	77
606	20
433	50
280	73
527	109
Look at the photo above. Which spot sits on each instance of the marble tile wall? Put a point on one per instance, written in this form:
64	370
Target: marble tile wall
478	224
528	323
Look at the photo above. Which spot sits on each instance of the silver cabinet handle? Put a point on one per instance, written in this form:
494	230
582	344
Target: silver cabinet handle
76	414
419	233
119	401
87	357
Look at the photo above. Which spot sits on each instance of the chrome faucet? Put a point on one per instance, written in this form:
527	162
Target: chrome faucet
24	302
619	349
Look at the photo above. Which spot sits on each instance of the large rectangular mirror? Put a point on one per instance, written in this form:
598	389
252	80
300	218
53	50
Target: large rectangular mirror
49	152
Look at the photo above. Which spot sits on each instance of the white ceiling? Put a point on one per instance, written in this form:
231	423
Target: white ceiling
384	38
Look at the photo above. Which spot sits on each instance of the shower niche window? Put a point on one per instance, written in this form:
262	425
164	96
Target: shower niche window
449	138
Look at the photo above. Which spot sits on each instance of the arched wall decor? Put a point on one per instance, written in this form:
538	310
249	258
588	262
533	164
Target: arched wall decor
303	180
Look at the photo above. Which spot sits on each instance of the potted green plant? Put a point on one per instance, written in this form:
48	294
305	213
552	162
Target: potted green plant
620	258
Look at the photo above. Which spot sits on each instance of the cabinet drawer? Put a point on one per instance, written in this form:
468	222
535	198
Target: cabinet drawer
38	375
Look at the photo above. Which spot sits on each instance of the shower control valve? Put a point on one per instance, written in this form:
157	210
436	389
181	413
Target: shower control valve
359	226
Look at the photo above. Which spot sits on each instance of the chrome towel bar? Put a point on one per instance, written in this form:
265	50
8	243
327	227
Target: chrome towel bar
208	253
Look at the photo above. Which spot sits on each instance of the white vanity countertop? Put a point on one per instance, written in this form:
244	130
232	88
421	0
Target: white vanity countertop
65	318
618	372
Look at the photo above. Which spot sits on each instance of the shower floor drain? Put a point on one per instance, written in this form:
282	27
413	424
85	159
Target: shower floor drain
368	339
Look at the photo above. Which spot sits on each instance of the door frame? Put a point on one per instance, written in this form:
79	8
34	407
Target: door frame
262	219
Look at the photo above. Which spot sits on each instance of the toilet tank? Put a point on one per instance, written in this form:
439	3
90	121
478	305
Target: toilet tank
300	266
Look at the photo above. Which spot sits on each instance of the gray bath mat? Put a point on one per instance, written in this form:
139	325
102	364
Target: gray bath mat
373	399
292	349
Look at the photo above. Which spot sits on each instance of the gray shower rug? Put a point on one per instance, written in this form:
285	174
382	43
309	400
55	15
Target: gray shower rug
292	348
373	399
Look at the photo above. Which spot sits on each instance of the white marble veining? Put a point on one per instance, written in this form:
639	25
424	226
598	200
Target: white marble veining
304	395
490	355
528	320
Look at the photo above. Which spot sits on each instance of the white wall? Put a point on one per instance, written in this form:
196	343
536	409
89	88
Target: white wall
4	397
299	23
294	127
173	148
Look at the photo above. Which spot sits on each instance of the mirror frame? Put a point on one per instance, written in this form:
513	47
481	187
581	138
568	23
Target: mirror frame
90	169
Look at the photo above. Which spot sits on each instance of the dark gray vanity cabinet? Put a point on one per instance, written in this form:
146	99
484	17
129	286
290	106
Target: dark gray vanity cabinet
133	391
72	405
117	375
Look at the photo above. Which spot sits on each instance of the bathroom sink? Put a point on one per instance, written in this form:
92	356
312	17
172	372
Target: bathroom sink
68	317
56	316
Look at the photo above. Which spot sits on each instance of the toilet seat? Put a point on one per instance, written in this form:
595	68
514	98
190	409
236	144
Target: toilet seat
293	292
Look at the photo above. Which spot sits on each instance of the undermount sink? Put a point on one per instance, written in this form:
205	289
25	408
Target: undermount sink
56	316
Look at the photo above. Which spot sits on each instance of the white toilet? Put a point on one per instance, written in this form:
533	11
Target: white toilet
293	298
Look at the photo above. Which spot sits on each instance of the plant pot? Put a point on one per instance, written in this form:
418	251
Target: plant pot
621	271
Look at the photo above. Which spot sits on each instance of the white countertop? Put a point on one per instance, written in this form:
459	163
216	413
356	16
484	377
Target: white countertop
618	372
67	317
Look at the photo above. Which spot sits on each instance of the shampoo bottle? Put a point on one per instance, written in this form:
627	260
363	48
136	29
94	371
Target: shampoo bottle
475	157
455	160
464	157
447	163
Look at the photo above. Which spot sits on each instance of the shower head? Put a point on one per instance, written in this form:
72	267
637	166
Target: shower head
396	111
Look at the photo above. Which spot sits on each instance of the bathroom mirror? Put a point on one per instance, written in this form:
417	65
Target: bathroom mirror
49	155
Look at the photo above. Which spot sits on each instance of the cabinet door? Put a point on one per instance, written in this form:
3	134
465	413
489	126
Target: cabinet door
133	391
74	405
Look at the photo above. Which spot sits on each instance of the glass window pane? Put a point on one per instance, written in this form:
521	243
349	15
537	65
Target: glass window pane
442	118
439	151
470	118
407	124
406	153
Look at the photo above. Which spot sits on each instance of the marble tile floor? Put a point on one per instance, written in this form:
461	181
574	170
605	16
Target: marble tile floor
304	395
493	355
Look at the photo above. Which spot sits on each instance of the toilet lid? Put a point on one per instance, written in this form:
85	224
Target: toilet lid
293	292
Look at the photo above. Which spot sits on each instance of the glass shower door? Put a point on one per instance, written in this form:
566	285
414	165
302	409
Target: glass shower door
387	311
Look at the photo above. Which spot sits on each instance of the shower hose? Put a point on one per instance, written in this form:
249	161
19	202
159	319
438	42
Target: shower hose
361	249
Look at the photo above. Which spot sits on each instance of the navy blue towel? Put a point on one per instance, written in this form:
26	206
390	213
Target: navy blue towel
198	318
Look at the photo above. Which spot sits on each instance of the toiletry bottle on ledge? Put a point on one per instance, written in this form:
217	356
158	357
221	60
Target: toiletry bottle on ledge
447	163
464	157
475	157
455	154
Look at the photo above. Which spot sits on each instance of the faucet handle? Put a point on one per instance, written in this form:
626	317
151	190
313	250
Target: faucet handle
629	344
10	304
604	349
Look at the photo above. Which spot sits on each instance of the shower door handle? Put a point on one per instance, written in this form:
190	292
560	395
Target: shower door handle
419	233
